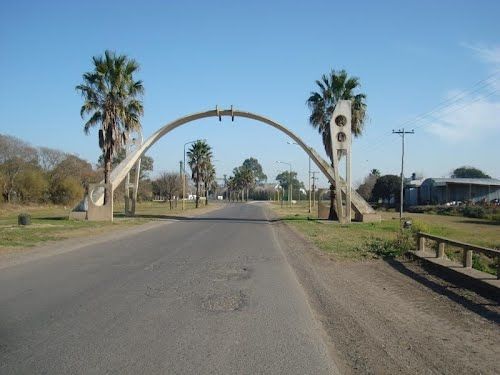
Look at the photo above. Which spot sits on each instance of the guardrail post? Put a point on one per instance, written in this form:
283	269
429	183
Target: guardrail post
440	251
421	242
467	258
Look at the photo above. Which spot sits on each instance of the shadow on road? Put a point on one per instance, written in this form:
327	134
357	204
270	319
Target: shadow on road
489	309
201	219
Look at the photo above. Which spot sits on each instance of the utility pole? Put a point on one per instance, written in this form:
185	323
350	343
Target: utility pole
314	178
309	179
402	132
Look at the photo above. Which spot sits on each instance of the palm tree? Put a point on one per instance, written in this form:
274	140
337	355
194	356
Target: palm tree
245	179
208	179
199	156
333	87
112	102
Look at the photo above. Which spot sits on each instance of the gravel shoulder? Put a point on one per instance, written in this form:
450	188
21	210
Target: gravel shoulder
394	317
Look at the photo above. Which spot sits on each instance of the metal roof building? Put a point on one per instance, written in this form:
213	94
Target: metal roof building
443	190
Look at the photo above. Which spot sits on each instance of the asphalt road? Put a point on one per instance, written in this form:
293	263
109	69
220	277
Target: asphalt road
210	295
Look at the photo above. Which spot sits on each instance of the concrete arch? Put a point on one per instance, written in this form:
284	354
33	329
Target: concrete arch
361	208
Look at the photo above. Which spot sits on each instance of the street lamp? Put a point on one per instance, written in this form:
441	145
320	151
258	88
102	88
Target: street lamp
290	191
184	176
309	175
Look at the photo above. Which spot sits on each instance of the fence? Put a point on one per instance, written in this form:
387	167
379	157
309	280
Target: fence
467	249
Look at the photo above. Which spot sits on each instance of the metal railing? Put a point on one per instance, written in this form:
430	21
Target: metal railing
467	249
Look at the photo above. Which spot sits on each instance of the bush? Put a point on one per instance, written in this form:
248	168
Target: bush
24	219
476	212
419	226
66	191
404	242
445	210
31	185
421	209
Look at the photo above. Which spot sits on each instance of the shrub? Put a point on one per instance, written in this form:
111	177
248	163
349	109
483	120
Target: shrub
24	219
404	242
66	191
476	212
445	210
419	226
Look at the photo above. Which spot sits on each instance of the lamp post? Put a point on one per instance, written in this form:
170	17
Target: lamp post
309	176
290	190
184	176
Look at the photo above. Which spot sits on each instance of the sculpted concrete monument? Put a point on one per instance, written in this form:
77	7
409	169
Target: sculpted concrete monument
362	210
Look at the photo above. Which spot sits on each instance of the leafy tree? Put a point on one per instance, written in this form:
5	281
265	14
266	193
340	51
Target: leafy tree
386	187
111	100
10	170
31	185
253	165
199	156
284	179
333	87
468	172
167	185
366	188
67	190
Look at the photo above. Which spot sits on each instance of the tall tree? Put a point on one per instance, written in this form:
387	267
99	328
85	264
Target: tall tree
285	178
335	86
199	156
111	101
208	179
366	188
387	187
468	172
167	185
254	165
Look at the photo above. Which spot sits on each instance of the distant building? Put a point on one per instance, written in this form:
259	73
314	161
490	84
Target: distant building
412	192
445	190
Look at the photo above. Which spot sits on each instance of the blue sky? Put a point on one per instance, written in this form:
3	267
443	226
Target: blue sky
264	57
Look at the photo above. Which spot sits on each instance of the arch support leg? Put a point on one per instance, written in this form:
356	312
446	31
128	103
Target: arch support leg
96	211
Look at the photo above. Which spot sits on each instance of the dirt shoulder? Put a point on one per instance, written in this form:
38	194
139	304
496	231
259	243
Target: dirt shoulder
393	317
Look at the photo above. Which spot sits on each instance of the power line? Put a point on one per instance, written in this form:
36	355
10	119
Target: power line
443	105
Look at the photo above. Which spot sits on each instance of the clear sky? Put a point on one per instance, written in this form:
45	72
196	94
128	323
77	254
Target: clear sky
264	56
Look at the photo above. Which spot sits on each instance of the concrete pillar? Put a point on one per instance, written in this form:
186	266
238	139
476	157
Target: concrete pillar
421	243
440	252
467	258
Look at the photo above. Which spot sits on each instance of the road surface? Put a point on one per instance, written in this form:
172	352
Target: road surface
209	295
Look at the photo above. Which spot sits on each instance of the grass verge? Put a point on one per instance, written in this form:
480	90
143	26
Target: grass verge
359	241
51	223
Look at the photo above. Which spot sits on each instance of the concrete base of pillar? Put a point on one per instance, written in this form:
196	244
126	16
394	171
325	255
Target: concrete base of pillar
369	218
102	212
78	215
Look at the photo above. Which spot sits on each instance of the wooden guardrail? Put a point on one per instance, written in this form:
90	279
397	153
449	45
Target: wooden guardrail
467	249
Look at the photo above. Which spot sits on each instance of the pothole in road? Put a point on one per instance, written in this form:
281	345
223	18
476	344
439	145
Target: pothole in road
233	301
232	274
155	292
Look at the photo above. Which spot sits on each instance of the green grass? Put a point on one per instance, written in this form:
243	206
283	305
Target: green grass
370	240
50	223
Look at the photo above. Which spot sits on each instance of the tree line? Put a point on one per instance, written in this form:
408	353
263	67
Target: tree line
31	174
